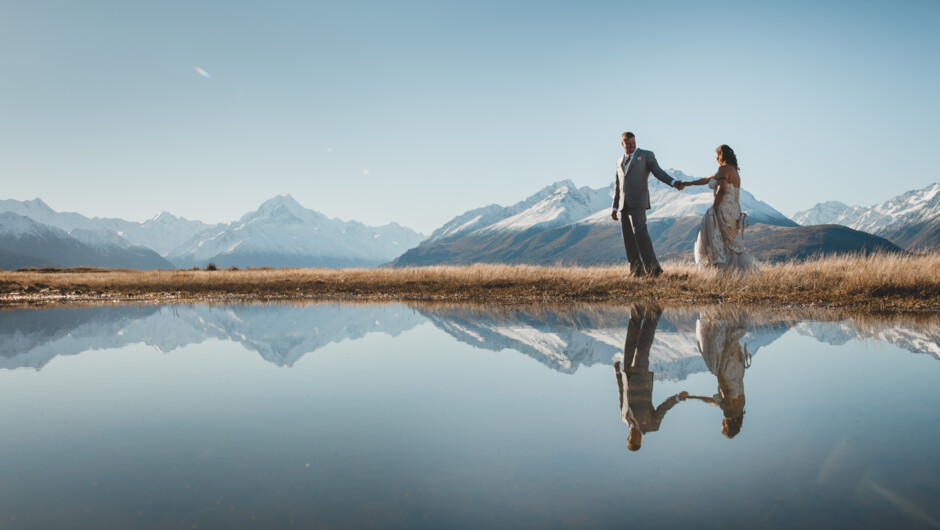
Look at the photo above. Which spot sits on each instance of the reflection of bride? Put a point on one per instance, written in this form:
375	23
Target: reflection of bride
720	346
720	241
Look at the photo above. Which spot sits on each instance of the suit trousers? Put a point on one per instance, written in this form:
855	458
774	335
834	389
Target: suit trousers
637	242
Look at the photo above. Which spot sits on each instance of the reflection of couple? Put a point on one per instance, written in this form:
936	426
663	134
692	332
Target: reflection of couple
719	243
718	342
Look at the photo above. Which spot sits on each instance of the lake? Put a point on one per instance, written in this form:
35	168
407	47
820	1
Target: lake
463	416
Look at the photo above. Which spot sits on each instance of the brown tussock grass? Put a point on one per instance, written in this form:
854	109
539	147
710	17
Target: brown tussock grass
882	282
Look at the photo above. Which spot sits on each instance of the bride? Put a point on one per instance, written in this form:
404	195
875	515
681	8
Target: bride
720	243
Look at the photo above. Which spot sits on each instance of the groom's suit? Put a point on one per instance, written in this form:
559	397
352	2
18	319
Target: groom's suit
632	199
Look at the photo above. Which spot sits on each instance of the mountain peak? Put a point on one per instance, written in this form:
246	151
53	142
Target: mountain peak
553	188
164	216
283	203
278	200
38	203
279	205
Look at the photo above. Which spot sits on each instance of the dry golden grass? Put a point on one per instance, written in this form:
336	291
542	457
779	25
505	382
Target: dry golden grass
879	282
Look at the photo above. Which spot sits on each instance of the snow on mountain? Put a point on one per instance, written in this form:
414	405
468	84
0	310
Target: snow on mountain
100	238
694	201
916	206
563	203
546	203
47	244
910	208
829	212
282	233
19	226
161	233
36	244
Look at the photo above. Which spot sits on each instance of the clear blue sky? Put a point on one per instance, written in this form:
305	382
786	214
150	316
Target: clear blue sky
417	111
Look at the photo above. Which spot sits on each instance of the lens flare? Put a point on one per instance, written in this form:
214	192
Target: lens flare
202	72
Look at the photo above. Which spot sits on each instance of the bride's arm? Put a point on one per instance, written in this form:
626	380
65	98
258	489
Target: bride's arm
700	182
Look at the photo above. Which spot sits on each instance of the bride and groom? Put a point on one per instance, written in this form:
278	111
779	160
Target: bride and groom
719	243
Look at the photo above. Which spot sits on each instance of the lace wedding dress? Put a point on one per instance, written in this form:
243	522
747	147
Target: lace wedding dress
720	242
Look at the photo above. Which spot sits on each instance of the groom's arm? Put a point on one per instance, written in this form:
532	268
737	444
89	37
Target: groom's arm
616	205
658	172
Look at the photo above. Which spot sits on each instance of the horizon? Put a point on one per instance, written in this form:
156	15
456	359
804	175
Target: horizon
418	112
429	232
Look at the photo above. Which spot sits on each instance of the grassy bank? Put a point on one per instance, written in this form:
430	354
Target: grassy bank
880	282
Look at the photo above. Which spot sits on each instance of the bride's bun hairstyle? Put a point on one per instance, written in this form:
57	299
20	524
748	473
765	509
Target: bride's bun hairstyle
727	156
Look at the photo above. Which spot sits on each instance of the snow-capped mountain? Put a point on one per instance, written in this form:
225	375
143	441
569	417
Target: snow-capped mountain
555	205
282	233
911	219
563	203
560	204
35	244
563	224
161	233
694	201
829	212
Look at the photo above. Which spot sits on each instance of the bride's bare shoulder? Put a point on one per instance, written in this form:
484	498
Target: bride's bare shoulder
728	173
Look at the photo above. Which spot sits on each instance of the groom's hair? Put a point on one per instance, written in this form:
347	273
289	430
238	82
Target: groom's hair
626	135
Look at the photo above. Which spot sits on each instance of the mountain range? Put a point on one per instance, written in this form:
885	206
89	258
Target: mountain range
280	233
910	220
564	224
559	224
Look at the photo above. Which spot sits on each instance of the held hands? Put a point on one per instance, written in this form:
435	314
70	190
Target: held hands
683	395
680	185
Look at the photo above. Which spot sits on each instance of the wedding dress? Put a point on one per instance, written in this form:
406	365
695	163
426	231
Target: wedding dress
719	341
720	241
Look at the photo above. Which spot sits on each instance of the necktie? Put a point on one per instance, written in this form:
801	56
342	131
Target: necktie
626	162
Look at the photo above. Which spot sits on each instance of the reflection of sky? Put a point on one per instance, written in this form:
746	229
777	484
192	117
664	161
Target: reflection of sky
421	429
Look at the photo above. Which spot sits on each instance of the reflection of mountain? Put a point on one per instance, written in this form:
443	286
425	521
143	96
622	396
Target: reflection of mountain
906	338
561	338
586	337
281	334
33	337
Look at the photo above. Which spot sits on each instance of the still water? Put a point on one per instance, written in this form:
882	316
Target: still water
363	416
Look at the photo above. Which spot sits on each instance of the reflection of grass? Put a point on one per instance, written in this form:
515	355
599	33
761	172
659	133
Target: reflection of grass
875	282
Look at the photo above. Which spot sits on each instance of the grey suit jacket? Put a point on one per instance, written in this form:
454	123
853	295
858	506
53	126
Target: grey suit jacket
632	190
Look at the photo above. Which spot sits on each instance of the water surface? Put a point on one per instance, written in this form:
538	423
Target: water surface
463	416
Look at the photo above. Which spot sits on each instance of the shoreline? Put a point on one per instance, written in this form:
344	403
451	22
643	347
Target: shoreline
880	283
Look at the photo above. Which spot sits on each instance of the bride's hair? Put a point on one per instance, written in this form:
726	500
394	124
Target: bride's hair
727	156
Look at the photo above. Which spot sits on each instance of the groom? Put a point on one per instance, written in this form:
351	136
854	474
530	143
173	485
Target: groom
632	199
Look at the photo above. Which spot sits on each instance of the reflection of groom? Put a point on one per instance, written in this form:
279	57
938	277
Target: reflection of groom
636	380
632	199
